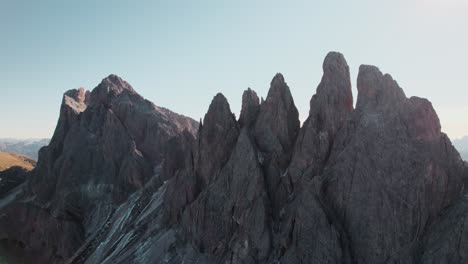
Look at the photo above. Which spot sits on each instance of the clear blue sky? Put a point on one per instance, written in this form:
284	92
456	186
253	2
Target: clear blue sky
179	54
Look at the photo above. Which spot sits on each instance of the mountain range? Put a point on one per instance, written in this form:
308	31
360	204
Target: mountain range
125	181
462	146
26	147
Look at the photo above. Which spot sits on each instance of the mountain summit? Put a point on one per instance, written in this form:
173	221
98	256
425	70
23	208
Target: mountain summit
126	181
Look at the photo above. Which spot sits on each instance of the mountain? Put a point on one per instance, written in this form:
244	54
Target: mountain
26	147
8	159
462	146
126	181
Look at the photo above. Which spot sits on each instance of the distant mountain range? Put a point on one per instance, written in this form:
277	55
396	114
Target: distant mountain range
462	146
26	147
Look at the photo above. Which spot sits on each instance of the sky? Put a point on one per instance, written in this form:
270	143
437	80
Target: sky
179	54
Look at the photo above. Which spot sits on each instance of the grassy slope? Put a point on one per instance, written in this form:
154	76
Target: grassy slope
8	159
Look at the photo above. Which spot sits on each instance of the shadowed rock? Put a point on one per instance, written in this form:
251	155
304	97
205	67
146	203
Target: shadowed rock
329	110
107	144
447	238
390	171
275	132
216	139
277	123
228	219
125	181
250	108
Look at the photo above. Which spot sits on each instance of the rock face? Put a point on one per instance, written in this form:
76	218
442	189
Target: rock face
229	219
250	108
390	172
275	132
309	234
11	178
125	181
329	110
108	143
217	137
447	238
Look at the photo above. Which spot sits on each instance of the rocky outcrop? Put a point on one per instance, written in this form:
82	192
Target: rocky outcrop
250	108
390	171
309	233
229	218
11	178
275	132
329	110
277	123
125	181
216	139
447	238
108	144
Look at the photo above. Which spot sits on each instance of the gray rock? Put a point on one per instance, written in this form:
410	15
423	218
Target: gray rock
250	108
125	181
309	233
275	132
329	110
447	238
229	219
390	172
107	145
216	139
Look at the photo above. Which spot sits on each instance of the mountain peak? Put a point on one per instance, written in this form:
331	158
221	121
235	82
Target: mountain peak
277	79
117	81
216	138
335	61
110	87
370	184
250	107
376	90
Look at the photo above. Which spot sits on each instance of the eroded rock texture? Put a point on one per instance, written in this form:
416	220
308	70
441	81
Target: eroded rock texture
329	110
125	181
275	132
390	171
107	144
447	238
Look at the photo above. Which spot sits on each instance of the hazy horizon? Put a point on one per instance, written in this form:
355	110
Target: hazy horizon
180	54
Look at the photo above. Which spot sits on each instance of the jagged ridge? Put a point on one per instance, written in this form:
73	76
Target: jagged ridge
125	181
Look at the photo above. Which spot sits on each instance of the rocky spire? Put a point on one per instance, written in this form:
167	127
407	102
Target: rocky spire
277	123
216	139
329	109
229	217
391	171
250	108
109	88
125	181
275	132
107	145
377	91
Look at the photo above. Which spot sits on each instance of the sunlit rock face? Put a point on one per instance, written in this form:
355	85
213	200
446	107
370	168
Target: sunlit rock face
126	181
